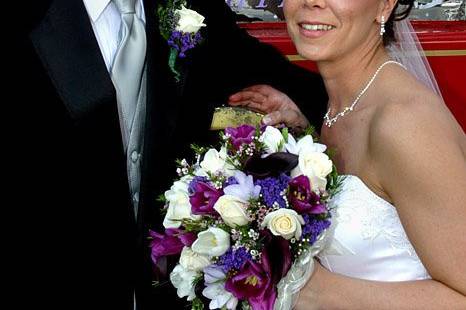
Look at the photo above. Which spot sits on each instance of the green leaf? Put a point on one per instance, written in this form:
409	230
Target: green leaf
197	304
161	198
285	134
172	63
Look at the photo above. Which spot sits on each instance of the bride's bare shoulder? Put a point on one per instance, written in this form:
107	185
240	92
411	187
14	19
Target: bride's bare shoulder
410	107
412	117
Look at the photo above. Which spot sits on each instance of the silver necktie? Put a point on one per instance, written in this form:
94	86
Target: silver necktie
128	65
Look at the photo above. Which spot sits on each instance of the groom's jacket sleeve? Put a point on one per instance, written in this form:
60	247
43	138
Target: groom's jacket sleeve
239	60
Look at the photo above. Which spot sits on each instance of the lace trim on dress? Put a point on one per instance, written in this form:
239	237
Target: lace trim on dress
378	219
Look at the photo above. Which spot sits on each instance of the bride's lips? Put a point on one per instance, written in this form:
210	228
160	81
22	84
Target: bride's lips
314	30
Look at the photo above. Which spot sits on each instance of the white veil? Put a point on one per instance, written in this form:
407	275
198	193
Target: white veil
408	51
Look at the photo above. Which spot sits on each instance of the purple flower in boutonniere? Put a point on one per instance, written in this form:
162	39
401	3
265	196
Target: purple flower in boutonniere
181	28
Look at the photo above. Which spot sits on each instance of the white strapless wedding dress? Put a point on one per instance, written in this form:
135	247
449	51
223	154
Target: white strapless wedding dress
369	240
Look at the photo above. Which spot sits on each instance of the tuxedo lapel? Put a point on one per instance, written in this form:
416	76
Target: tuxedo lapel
68	49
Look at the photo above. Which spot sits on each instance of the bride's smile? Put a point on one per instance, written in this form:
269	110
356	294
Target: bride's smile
314	29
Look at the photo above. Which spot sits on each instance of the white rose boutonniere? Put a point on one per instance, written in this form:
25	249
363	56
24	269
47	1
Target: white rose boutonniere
180	26
190	21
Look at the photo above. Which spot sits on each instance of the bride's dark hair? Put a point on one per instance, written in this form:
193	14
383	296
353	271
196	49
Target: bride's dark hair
398	13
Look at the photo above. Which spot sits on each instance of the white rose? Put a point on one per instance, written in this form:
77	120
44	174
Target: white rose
191	260
316	166
216	161
284	222
273	139
232	210
179	207
190	21
212	242
182	279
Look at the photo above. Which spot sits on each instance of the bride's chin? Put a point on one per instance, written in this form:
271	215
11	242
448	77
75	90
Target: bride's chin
311	53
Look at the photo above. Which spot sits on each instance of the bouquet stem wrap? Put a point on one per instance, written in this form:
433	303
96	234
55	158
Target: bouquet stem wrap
299	274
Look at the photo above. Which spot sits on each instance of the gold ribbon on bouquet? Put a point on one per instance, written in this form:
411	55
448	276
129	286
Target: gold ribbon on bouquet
233	117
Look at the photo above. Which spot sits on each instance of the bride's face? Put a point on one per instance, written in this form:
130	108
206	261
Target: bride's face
324	30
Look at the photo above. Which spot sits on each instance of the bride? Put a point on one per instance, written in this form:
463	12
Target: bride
401	215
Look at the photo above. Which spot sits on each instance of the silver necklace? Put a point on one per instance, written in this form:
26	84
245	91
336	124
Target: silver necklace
330	121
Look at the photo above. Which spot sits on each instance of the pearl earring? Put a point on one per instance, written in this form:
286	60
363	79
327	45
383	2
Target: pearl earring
382	25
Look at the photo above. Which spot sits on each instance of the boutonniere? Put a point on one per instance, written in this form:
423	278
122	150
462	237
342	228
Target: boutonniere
181	28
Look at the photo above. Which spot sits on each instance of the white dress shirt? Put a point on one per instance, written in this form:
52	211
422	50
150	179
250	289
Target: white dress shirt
106	20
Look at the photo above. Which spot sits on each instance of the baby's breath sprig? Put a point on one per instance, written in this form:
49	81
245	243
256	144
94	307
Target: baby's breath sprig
199	150
247	237
184	168
217	179
298	247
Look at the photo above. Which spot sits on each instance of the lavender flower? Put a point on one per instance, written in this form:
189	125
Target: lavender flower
230	181
214	279
193	183
234	260
272	190
313	227
245	189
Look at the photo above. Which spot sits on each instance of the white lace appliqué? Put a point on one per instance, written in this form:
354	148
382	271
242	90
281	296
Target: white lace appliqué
379	218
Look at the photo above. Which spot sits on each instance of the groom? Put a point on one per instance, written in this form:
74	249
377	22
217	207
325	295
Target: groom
98	135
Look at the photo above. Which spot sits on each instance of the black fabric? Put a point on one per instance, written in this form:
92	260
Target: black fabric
78	238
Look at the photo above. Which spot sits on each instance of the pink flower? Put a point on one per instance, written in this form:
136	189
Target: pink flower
254	283
204	198
302	198
240	135
170	243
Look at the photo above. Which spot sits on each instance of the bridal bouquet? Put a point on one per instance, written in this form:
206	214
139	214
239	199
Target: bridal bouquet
242	216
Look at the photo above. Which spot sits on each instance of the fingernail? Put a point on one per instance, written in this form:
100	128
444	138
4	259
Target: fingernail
266	120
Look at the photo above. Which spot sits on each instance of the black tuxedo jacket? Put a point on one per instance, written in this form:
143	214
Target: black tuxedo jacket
83	247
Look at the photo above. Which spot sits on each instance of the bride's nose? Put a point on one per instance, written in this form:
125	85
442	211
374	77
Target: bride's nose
315	3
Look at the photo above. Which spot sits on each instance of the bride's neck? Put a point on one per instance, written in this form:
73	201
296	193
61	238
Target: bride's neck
345	77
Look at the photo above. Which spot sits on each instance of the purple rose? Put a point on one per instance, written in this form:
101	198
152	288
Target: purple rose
204	198
240	135
254	283
170	243
302	198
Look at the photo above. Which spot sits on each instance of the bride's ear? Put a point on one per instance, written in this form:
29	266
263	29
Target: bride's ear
385	9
